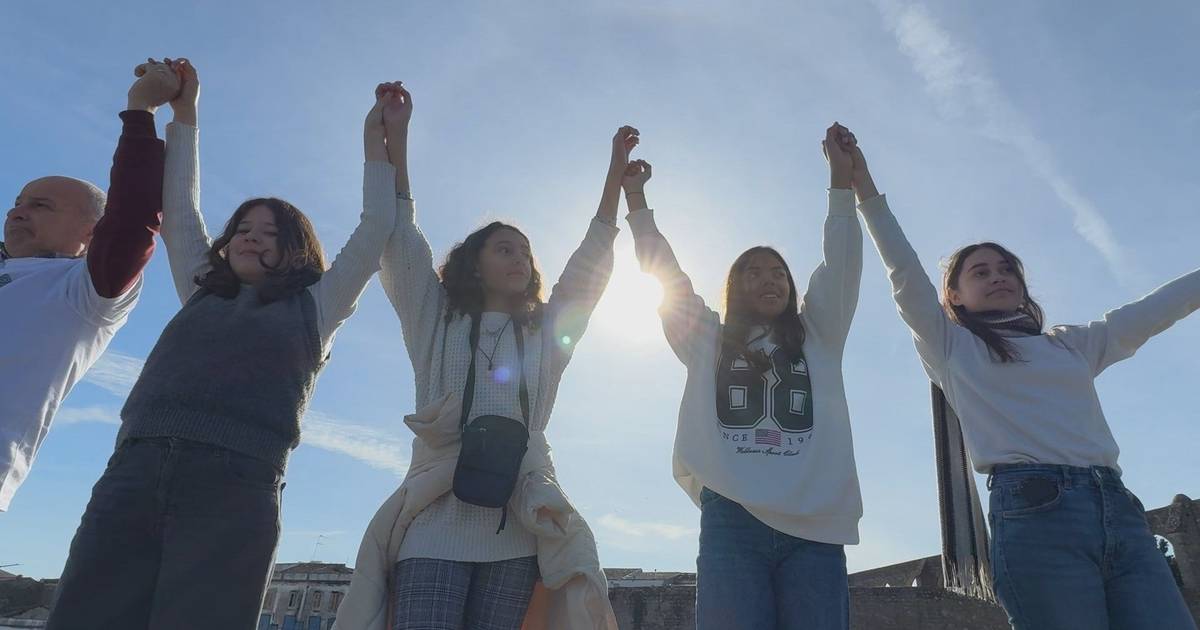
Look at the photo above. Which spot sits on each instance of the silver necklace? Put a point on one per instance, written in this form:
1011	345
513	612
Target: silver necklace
496	346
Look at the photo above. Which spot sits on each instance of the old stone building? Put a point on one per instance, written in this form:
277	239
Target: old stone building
304	596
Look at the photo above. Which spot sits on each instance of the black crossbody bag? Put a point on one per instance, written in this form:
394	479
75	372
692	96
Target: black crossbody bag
492	446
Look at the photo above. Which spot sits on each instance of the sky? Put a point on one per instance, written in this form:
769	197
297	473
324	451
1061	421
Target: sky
1068	135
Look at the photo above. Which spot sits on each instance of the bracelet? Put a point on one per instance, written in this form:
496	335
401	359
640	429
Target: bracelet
636	192
405	195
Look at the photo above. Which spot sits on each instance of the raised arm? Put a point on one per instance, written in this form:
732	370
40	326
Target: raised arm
123	239
587	271
406	270
916	297
687	322
1122	331
832	295
338	290
183	229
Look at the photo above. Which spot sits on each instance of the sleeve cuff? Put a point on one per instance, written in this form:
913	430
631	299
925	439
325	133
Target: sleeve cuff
642	222
874	204
178	131
137	124
602	229
379	186
841	202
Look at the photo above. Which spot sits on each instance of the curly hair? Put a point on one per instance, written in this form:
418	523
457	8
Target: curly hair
1000	347
464	289
301	261
788	329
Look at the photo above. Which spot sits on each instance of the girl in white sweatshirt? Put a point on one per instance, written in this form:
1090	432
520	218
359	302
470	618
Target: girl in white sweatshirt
763	444
1070	546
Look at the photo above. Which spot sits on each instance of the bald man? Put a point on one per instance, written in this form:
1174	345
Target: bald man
70	272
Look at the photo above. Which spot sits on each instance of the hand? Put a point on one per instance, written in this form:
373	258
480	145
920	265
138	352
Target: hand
623	143
186	100
374	122
397	104
637	173
838	150
156	84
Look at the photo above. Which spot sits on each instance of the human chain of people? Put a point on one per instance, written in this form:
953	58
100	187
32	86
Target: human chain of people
182	526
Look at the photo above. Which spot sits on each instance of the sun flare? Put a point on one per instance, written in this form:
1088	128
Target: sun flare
628	312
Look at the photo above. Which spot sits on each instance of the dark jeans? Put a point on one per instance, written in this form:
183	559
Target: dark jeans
177	534
754	577
1071	550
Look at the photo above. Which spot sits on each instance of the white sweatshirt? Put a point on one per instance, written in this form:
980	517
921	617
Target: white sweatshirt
793	472
1044	407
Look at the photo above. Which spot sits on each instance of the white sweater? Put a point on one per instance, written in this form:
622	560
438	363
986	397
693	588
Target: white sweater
335	294
441	353
1044	407
797	480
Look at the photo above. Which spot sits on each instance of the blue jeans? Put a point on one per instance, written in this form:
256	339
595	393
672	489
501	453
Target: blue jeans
754	577
177	534
1071	550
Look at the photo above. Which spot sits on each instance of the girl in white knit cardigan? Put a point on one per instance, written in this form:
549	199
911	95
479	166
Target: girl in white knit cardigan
459	565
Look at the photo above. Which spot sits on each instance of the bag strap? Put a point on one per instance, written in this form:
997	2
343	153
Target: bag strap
469	393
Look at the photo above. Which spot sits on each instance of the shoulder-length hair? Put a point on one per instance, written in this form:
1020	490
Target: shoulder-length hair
997	344
301	261
787	328
464	288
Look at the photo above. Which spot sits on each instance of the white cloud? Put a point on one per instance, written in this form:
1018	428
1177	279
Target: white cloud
963	89
384	450
76	415
115	372
641	529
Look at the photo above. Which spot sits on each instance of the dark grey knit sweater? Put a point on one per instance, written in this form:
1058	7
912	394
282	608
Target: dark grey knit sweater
235	373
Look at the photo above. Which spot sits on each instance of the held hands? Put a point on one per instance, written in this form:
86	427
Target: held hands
386	128
156	84
838	147
623	143
392	110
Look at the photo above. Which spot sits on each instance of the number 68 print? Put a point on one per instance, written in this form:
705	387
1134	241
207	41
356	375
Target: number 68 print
747	397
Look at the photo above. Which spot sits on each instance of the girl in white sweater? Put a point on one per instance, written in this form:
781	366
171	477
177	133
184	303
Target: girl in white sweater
763	444
462	565
1070	546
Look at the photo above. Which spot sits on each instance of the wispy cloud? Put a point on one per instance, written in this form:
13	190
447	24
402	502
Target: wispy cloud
96	414
964	89
115	373
383	450
642	529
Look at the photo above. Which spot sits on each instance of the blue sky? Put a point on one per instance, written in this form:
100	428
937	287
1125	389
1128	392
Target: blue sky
1069	136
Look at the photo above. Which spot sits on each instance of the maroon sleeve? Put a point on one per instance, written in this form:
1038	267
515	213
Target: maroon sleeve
123	240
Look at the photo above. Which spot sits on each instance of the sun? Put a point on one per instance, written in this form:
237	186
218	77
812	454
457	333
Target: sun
628	311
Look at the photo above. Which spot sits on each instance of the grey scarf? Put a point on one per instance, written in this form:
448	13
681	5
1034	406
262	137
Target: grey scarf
965	561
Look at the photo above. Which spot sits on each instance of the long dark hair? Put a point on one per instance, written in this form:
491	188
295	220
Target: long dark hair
787	329
997	344
464	289
301	261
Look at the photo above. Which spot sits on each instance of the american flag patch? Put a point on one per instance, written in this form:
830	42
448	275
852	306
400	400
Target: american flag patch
769	437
